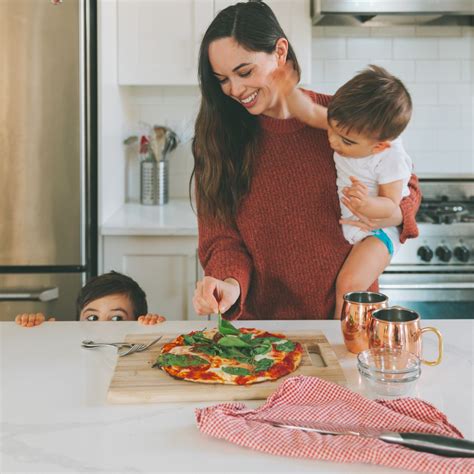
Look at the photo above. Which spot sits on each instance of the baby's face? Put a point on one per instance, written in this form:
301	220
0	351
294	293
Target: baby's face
116	307
352	144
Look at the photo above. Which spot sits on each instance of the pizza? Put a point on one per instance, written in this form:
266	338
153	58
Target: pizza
229	355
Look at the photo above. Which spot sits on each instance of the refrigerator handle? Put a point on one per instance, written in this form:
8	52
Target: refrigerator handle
28	294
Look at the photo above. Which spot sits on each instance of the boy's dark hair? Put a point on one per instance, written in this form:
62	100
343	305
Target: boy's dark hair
112	283
373	103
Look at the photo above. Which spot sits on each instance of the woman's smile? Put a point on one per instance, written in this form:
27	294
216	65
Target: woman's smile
250	100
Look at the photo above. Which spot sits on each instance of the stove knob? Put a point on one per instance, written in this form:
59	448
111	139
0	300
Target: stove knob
425	253
462	253
444	253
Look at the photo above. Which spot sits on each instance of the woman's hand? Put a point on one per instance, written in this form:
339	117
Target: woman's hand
212	295
367	224
151	319
28	320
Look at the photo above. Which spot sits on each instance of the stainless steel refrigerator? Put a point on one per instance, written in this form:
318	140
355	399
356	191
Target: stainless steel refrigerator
48	143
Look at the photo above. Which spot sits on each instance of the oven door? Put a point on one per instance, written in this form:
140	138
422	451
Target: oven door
433	295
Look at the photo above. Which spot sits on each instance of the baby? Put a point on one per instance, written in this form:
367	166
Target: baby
108	297
364	120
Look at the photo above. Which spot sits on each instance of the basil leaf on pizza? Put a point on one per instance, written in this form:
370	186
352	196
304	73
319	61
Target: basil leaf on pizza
232	341
186	360
263	364
236	370
225	327
287	346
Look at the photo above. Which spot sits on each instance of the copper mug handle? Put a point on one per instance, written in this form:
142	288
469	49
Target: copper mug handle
440	346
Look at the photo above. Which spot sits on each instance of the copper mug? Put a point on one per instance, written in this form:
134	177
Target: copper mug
356	315
399	328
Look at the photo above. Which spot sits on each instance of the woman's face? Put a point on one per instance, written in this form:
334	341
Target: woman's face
245	76
117	307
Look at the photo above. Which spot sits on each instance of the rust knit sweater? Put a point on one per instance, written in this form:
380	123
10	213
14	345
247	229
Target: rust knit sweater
287	246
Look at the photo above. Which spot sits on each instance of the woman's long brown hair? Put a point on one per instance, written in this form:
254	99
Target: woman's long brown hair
226	136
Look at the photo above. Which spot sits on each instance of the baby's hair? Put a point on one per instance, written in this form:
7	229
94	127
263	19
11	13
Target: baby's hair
112	283
373	103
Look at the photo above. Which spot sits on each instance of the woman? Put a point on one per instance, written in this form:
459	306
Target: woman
270	240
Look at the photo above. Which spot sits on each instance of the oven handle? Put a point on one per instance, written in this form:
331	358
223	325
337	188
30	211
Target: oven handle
428	286
26	294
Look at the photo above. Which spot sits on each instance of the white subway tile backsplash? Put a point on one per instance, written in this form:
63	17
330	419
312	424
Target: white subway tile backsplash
419	140
339	70
346	31
455	48
404	70
438	71
436	117
454	140
415	48
328	48
317	71
328	88
422	94
454	93
367	48
439	31
392	31
467	68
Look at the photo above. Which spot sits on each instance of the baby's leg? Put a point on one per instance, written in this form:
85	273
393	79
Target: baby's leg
364	264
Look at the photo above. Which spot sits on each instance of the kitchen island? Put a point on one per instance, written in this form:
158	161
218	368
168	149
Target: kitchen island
55	417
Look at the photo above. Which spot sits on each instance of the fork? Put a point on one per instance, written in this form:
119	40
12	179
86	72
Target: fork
130	347
139	347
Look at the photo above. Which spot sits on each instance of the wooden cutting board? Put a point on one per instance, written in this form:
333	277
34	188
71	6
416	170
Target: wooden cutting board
135	381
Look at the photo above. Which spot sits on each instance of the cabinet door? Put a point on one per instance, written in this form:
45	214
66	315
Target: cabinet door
294	17
165	267
158	40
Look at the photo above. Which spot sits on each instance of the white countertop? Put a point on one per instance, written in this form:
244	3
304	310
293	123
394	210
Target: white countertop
174	218
55	417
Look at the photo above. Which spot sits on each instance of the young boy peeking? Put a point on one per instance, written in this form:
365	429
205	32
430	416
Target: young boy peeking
108	297
364	120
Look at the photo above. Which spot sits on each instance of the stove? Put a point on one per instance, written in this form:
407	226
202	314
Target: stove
438	266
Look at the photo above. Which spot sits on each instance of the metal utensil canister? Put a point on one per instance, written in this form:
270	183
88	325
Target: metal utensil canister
355	317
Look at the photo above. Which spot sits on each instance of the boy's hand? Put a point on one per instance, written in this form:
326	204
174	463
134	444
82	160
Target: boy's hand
151	319
284	79
28	320
355	196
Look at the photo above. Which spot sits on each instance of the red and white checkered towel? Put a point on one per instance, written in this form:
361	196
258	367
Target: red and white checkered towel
311	399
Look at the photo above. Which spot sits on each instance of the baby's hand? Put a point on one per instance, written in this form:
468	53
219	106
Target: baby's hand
284	78
28	320
356	195
150	319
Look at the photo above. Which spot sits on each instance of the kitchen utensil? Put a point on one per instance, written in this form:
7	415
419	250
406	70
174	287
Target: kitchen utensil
135	381
389	372
430	443
129	347
399	328
355	317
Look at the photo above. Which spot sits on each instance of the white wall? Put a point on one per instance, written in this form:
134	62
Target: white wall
436	64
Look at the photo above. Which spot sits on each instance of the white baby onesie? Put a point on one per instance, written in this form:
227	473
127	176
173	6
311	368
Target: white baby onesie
385	167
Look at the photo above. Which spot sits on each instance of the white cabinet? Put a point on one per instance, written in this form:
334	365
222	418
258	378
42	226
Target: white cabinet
166	267
158	40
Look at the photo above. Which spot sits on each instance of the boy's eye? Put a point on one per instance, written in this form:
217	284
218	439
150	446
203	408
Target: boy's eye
117	317
346	142
92	317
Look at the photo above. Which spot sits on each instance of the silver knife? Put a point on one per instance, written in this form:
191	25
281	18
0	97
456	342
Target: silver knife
430	443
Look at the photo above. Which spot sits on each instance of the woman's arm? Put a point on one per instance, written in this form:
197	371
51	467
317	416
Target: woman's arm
227	265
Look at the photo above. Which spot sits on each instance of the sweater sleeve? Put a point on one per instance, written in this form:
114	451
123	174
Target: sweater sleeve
409	206
223	254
